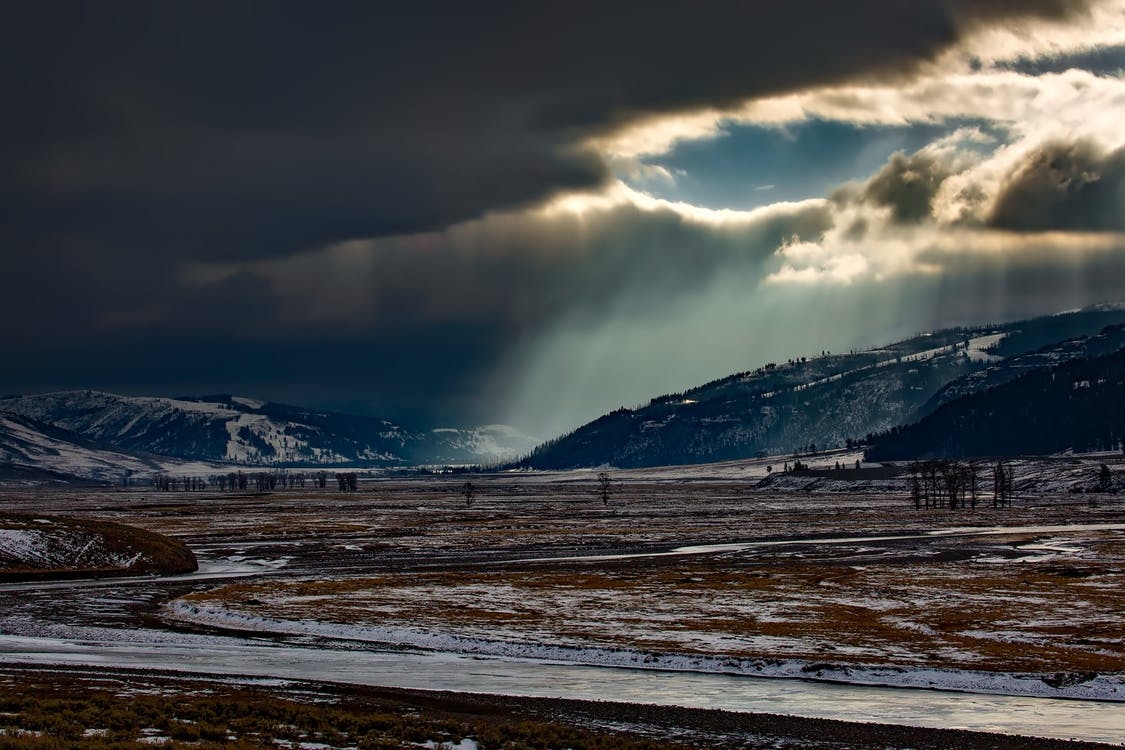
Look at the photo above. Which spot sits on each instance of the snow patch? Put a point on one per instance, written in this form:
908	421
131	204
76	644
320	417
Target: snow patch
1088	687
978	348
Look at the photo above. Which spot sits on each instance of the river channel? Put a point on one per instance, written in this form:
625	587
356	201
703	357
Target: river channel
92	631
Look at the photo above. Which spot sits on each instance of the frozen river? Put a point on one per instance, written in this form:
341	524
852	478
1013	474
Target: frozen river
1087	720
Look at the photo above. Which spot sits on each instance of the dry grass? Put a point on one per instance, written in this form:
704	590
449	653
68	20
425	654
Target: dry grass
79	547
931	603
1053	615
49	712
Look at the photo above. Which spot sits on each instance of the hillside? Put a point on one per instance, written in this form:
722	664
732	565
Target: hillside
821	402
1074	406
222	429
1106	341
38	547
32	452
218	428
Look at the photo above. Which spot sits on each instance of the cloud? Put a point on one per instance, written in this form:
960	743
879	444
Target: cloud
1064	186
907	185
521	269
201	131
413	207
1057	203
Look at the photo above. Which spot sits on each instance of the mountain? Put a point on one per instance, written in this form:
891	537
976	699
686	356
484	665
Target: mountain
32	452
216	428
490	444
234	429
1076	405
822	402
825	401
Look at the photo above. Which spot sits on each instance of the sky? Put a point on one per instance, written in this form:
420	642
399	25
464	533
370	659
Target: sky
453	213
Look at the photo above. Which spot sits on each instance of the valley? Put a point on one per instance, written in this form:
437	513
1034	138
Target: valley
701	587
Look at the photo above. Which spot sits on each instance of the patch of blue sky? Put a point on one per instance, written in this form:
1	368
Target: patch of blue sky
749	166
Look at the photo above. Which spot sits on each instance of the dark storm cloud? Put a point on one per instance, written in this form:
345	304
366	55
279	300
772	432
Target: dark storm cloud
1064	186
1100	61
144	138
907	185
241	130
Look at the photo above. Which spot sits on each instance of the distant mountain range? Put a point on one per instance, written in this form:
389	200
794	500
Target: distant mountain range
832	400
102	435
1037	386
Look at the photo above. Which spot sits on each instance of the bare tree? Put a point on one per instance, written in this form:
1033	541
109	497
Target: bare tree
604	486
1105	479
468	490
971	472
949	484
1002	485
916	492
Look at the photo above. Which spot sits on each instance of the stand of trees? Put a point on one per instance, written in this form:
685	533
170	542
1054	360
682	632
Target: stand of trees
957	484
167	483
262	481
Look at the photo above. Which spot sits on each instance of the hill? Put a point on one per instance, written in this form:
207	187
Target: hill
1077	405
33	452
79	432
41	547
826	401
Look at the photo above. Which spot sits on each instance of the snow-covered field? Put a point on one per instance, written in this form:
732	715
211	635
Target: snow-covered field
984	604
1089	686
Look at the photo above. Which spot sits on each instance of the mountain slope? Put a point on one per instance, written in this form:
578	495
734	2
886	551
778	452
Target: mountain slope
822	402
1077	405
234	429
1106	341
778	409
220	428
34	452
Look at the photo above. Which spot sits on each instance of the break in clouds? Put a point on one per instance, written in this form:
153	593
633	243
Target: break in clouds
464	214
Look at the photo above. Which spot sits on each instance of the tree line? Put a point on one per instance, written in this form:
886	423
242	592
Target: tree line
955	485
262	481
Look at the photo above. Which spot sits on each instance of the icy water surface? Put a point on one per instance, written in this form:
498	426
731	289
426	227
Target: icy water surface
1087	720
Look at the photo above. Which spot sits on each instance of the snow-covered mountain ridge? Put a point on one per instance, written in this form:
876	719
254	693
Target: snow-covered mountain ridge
805	404
95	434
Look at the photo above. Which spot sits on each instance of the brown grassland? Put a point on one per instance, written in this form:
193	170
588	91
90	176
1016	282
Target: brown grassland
121	710
543	561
